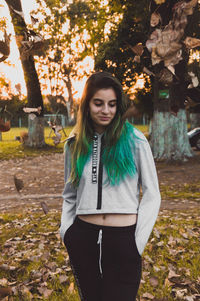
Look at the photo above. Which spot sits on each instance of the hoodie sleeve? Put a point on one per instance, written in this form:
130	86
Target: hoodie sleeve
150	202
69	196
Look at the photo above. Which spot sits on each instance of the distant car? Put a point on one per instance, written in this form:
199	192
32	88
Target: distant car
194	137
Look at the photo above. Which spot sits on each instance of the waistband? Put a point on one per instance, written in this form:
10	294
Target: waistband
95	227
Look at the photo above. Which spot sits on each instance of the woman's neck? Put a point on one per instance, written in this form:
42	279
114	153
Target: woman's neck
99	129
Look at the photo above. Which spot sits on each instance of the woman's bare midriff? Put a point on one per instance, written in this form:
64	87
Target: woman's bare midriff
110	219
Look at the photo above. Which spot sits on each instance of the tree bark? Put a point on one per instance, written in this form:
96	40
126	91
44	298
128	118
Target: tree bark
36	126
194	120
35	137
168	137
71	107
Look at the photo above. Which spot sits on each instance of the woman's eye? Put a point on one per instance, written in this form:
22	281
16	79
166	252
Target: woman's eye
112	105
97	104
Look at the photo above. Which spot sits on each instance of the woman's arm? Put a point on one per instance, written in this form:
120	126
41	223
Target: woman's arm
69	197
150	202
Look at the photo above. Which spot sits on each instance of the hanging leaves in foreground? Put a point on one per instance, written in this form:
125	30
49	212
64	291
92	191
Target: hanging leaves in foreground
191	42
155	19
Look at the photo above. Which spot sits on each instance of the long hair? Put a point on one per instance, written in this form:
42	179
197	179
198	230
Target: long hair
82	147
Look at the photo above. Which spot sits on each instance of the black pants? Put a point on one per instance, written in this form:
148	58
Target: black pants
104	260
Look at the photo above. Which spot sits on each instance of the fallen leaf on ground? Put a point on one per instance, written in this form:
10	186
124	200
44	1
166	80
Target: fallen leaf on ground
172	274
148	296
45	291
5	291
153	281
71	288
63	278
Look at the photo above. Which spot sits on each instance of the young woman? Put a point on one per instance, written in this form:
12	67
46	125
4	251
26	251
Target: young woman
104	224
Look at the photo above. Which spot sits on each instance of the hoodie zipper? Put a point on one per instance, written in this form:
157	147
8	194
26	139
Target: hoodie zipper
100	176
94	159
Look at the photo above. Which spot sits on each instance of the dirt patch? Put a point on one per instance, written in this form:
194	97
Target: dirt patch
43	178
42	175
180	172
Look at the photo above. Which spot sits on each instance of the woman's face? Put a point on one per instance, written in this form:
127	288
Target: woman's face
102	108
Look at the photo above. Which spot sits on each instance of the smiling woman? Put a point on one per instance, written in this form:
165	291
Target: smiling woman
104	224
102	108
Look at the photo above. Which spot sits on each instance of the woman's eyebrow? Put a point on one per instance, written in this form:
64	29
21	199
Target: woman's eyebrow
99	99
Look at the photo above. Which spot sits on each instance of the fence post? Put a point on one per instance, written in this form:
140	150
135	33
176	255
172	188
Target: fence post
62	121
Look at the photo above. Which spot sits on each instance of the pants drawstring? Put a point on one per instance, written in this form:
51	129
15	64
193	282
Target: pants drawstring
100	250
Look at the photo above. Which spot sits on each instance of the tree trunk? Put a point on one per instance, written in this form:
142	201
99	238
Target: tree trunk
35	126
169	139
72	109
194	120
70	105
35	137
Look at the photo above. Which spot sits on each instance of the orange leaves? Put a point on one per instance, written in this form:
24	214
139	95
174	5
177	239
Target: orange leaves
160	1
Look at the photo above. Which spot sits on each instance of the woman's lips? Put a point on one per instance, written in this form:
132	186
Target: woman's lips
104	118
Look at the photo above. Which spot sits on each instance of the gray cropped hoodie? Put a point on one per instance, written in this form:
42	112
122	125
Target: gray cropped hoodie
95	196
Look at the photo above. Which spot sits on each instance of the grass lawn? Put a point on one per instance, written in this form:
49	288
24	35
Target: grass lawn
10	148
35	264
181	191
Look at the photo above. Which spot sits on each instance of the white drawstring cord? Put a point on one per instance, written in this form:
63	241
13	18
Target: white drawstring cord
100	250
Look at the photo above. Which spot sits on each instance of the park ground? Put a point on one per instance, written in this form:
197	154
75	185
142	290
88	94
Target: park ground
34	264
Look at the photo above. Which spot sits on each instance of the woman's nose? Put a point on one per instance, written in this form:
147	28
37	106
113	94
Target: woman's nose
105	109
